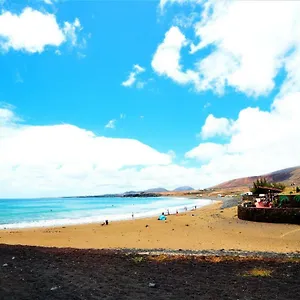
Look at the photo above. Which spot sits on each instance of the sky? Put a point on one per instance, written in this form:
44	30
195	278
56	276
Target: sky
104	97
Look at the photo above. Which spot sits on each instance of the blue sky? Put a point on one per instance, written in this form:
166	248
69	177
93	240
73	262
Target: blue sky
188	107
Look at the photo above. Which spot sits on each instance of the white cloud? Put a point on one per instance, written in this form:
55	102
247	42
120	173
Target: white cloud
68	160
248	43
216	126
111	124
130	80
163	3
138	69
7	116
70	30
206	152
183	21
251	38
172	153
133	77
48	2
33	30
166	60
262	141
244	45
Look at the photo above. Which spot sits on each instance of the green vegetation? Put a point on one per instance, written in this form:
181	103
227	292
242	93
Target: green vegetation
283	200
263	182
297	198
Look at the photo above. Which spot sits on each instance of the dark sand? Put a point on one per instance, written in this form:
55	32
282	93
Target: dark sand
52	273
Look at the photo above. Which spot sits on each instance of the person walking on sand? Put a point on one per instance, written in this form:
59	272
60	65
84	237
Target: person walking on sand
132	215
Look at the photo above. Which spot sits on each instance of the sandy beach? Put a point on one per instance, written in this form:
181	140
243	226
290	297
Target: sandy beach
207	228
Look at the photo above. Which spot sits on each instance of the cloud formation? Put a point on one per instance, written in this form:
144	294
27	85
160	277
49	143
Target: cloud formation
244	45
68	160
260	141
250	42
132	78
216	127
111	124
163	3
32	31
64	159
166	60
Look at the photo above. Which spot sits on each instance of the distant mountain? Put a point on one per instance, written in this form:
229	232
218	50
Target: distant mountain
156	190
183	189
287	176
131	192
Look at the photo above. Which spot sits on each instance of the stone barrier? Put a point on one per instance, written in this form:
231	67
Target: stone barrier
269	215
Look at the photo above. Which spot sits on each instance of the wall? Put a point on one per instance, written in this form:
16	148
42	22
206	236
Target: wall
269	215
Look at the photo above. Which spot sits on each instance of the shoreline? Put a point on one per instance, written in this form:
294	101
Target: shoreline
56	223
210	228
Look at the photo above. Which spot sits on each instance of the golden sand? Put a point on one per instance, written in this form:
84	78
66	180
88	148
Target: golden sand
207	228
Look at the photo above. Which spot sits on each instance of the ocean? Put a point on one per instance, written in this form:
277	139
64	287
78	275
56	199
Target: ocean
49	212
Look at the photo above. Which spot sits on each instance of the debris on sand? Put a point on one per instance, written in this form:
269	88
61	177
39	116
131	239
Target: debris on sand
152	285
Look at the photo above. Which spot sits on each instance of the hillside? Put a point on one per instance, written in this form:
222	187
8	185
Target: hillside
287	176
156	190
183	189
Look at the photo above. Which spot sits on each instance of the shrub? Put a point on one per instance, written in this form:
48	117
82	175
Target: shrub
263	182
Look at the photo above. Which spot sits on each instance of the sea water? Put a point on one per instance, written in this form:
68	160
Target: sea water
48	212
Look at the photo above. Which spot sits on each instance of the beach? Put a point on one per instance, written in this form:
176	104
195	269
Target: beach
205	254
210	227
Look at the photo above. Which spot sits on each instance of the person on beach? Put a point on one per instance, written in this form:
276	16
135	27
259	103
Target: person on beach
168	212
132	215
162	217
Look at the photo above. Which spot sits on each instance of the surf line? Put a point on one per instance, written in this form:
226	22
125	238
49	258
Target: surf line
289	232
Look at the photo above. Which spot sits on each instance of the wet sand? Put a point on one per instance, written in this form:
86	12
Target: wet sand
207	228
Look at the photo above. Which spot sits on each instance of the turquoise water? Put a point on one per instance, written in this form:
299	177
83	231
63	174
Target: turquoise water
23	213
